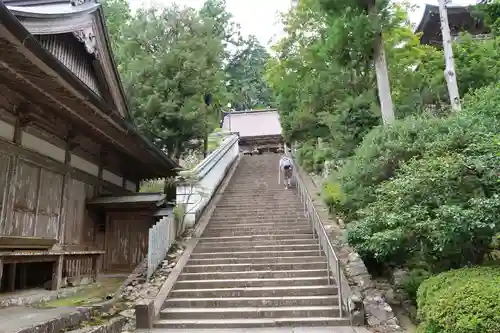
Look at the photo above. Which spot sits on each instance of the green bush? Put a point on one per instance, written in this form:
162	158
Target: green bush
413	281
461	301
312	158
426	190
383	151
438	209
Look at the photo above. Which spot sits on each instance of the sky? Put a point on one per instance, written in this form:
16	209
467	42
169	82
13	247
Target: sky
260	17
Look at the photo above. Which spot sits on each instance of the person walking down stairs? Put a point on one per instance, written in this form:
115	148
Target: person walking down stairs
285	167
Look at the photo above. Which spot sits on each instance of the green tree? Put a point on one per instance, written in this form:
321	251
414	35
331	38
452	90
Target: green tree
245	72
169	58
358	26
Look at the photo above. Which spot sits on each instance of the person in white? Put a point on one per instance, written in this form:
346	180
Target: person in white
285	167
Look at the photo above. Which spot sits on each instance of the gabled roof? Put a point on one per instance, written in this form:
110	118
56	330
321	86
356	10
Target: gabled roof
83	18
253	123
460	19
42	76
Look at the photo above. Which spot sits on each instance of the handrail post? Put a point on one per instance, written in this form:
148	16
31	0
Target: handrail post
328	275
340	296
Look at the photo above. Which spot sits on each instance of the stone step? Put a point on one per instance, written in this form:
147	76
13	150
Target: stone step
253	224
272	212
254	323
255	254
250	312
239	283
243	188
273	291
255	267
331	300
253	247
256	217
245	243
255	237
276	220
250	202
282	228
271	274
241	232
267	203
269	260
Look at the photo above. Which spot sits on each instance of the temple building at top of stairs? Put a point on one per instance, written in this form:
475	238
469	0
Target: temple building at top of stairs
259	129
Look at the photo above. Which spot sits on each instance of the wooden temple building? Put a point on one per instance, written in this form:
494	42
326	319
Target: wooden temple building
66	142
461	19
257	129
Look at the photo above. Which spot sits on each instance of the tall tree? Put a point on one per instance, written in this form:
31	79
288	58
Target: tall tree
362	27
245	72
169	58
449	72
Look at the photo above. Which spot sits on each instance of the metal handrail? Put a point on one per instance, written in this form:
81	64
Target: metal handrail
324	243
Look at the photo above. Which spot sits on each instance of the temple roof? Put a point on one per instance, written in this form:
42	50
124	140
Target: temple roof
253	123
460	20
83	18
36	74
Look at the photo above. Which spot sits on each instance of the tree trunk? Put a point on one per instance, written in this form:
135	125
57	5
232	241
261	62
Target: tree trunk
449	72
382	73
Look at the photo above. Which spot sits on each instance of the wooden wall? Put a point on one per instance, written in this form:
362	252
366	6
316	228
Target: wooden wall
126	240
35	203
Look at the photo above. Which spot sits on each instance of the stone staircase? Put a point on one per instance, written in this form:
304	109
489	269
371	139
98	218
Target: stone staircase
257	263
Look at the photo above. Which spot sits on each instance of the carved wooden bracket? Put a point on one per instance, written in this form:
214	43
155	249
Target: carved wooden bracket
87	37
77	2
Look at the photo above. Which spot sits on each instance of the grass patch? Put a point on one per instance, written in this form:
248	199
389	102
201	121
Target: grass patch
93	294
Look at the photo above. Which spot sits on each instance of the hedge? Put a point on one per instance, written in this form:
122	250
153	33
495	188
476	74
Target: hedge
465	300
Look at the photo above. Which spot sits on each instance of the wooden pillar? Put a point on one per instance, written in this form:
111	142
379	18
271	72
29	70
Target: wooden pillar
102	156
96	266
1	272
23	275
70	145
57	273
12	277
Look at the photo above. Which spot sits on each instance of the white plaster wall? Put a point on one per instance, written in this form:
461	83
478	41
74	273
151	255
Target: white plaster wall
131	186
6	130
112	177
210	173
81	164
43	147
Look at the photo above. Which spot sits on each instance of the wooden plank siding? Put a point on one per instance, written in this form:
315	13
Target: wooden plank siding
126	240
36	209
43	197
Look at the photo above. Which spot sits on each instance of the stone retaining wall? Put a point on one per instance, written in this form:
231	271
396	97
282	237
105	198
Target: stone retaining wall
60	324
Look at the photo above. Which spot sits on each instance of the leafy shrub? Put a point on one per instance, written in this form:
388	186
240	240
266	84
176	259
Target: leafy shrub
439	209
313	157
413	281
461	301
383	151
305	156
481	107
